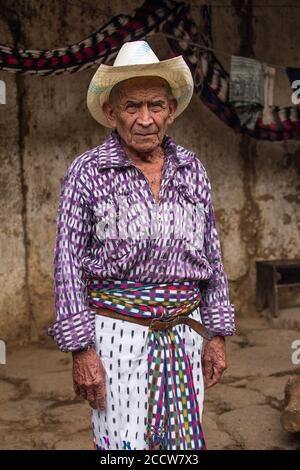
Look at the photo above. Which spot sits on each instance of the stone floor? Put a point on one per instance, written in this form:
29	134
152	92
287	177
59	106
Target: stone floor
39	410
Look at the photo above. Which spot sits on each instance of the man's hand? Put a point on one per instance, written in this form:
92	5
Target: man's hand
89	378
214	360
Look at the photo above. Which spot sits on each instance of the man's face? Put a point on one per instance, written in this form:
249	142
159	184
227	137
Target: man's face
141	110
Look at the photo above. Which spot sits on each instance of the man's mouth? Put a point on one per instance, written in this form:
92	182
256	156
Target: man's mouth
145	135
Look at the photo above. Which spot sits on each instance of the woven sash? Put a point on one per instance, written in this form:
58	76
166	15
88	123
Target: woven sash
173	410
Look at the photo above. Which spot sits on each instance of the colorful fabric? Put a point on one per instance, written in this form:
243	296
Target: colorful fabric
211	82
104	193
100	47
173	411
153	17
246	89
124	349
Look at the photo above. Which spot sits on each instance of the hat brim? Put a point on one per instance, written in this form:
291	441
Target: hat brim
175	71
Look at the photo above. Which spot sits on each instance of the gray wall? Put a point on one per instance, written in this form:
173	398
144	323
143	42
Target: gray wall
45	124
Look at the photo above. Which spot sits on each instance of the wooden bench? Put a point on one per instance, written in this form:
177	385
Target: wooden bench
271	276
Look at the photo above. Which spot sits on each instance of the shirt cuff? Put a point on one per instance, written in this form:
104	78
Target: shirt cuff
74	332
219	319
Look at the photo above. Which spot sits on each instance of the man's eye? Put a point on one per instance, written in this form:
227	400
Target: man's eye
156	106
131	107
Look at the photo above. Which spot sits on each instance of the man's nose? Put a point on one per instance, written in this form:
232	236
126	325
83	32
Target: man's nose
145	116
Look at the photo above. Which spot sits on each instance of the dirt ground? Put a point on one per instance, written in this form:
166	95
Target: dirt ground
39	410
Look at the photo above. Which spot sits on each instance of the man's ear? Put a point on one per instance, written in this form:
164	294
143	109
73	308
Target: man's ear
108	110
172	109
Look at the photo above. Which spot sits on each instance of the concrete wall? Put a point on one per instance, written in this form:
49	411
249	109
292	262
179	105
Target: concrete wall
45	124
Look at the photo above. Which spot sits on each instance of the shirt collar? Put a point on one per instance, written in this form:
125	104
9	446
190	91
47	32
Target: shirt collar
112	154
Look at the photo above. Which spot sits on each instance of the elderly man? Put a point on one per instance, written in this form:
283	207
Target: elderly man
139	279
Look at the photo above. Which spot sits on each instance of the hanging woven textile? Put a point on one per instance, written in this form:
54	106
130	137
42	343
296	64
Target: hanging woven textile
160	16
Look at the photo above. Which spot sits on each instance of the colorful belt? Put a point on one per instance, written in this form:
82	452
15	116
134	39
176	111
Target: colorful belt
173	410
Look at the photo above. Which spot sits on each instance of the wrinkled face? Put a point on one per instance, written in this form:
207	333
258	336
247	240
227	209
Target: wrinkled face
141	109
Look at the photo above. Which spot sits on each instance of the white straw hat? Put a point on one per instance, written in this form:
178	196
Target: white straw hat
136	59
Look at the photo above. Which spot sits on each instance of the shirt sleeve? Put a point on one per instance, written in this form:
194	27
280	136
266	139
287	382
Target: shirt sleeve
217	313
75	322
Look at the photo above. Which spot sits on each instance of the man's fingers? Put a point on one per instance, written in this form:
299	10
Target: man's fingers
94	393
83	392
91	397
80	390
96	396
217	374
88	374
100	394
214	361
89	379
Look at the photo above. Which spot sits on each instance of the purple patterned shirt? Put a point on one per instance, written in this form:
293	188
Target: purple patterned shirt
110	227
